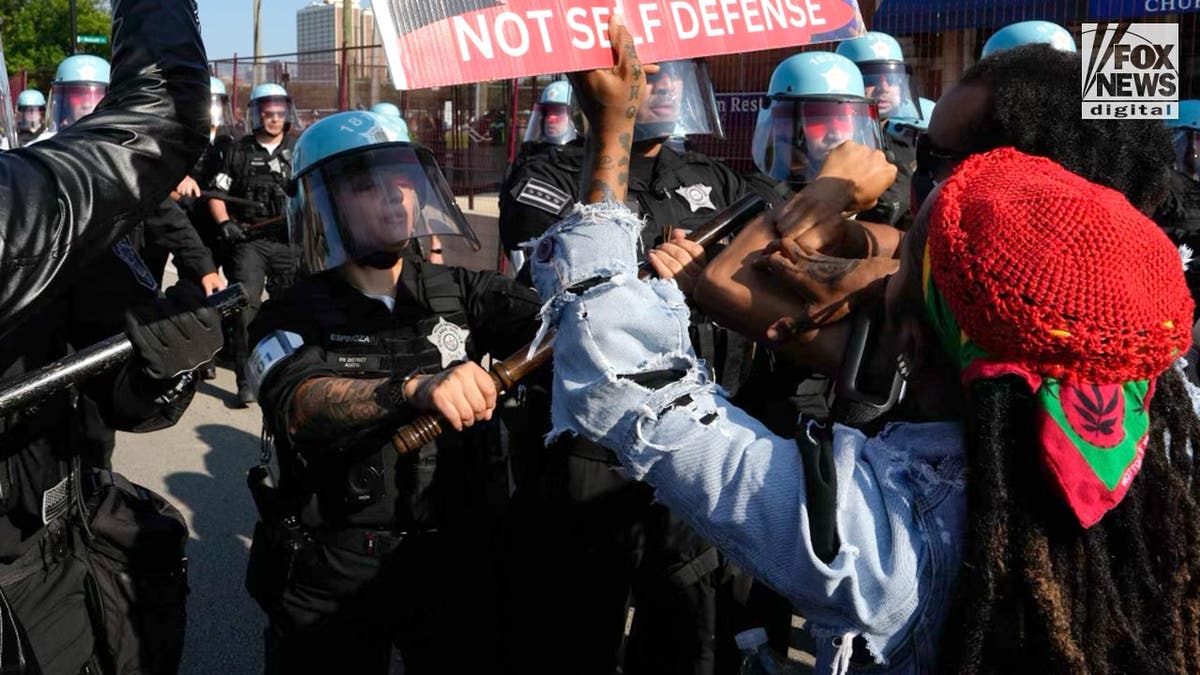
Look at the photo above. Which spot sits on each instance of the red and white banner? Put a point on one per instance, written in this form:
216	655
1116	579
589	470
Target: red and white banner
433	43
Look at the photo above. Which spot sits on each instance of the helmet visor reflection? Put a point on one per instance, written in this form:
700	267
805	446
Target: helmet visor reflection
72	102
805	132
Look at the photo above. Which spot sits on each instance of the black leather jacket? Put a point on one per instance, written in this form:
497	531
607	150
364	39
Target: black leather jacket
68	198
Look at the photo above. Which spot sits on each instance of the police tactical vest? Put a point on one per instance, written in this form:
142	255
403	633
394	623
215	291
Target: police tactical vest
262	177
364	487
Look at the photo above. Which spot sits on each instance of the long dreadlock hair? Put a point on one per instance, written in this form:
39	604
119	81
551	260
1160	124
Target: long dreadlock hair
1033	99
1038	591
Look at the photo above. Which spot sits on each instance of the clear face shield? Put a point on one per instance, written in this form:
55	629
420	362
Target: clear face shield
680	103
222	114
274	114
551	123
371	202
71	101
794	136
30	117
893	88
1187	152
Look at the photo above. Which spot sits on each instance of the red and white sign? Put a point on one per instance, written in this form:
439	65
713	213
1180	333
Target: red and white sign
433	43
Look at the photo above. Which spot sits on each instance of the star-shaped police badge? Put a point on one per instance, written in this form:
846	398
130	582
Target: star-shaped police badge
881	48
451	341
697	196
836	79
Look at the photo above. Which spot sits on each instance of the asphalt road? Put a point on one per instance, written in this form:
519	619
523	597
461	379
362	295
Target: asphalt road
200	465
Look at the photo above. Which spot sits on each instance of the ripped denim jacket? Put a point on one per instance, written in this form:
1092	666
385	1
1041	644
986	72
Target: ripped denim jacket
900	500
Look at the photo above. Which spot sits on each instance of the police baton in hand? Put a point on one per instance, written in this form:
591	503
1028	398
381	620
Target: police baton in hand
238	201
30	388
507	373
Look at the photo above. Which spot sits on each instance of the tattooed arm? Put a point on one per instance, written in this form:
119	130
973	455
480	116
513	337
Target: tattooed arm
337	407
610	98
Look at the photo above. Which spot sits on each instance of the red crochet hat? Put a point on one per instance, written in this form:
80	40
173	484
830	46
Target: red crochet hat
1056	274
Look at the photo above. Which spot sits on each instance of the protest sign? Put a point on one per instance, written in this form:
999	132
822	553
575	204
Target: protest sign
441	42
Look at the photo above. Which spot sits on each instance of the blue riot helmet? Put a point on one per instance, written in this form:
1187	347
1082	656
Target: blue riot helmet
551	119
221	113
361	191
1028	33
31	110
886	78
269	100
680	103
814	103
1187	138
79	85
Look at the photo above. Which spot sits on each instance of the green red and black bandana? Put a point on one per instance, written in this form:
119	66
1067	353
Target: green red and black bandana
1092	436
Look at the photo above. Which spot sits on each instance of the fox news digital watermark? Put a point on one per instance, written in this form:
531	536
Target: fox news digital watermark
1130	71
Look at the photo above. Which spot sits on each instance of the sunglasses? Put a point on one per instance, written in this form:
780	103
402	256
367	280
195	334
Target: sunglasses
934	160
269	114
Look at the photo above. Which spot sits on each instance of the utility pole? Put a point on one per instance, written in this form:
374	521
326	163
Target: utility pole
347	44
258	69
74	30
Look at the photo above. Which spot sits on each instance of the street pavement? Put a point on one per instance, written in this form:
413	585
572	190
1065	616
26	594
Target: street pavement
200	465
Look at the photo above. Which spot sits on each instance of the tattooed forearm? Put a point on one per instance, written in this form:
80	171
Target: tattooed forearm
331	407
826	270
601	191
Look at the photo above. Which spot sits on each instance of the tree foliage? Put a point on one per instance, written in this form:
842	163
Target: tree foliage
37	34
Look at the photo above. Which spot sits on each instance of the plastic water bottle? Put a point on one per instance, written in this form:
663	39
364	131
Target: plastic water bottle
760	659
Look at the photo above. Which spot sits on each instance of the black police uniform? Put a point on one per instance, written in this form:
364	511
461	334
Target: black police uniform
895	204
61	213
265	258
383	549
1179	218
610	544
204	172
541	187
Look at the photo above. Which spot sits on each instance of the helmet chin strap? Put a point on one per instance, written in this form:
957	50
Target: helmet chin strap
380	260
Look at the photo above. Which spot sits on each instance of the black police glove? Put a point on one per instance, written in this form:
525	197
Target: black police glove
232	231
175	334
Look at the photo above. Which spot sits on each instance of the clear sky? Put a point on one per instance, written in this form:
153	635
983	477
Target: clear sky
228	26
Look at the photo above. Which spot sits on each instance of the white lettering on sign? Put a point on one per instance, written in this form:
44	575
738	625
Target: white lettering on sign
518	34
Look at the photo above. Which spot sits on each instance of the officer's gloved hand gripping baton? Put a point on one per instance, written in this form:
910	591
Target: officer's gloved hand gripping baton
507	373
86	363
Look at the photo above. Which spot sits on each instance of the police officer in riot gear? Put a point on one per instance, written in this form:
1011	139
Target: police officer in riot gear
257	167
621	550
1179	214
31	115
364	552
815	102
889	82
1028	33
542	184
80	82
145	137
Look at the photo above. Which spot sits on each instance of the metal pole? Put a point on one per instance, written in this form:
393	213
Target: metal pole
512	137
347	43
233	94
257	42
74	30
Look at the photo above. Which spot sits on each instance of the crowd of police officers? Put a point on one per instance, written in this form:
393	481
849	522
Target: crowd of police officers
479	551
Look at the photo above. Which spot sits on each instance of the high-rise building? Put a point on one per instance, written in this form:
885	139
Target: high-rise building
319	40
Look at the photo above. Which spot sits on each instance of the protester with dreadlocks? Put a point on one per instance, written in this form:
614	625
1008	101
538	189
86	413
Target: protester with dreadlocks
1011	99
1038	501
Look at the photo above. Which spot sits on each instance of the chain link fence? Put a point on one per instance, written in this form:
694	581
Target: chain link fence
476	129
